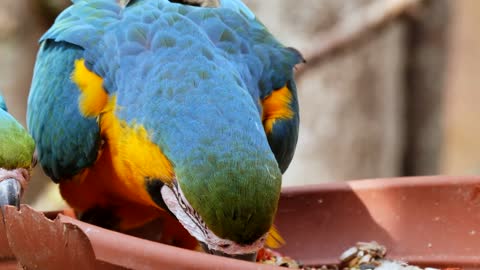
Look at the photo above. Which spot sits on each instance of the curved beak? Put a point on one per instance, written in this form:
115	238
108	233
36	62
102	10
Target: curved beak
251	257
10	191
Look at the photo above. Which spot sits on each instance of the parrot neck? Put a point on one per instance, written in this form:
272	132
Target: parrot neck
191	220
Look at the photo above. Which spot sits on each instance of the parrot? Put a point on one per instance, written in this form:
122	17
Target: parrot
144	107
16	158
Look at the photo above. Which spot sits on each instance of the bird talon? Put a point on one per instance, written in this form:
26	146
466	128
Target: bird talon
10	191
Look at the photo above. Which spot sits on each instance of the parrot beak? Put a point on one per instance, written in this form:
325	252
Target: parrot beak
10	191
251	257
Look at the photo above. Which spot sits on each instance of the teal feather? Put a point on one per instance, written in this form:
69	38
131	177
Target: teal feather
3	105
67	142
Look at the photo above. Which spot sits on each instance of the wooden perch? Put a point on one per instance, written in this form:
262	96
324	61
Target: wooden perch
353	28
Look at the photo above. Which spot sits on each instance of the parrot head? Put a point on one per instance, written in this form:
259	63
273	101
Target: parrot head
16	158
233	213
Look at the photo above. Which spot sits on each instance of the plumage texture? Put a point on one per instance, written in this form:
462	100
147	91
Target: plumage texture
16	145
184	84
67	142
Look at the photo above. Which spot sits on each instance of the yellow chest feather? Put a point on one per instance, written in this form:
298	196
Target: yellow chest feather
127	160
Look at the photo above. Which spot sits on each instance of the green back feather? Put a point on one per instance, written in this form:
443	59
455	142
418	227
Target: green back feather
16	145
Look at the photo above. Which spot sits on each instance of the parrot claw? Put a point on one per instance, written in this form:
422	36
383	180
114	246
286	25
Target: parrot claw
10	191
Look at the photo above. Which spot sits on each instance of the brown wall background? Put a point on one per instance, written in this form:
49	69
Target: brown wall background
461	153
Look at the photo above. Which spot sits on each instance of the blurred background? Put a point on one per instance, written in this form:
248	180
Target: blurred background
402	99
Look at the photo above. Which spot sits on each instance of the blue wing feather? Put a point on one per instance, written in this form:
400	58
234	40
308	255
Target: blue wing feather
233	28
66	141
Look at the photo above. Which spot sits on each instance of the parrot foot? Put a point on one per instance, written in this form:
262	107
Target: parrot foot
10	192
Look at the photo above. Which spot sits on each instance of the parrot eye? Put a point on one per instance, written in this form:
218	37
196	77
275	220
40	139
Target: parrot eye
224	246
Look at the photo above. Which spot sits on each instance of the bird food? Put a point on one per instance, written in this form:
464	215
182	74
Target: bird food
362	256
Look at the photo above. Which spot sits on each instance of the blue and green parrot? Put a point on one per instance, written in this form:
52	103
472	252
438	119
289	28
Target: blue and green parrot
16	158
144	107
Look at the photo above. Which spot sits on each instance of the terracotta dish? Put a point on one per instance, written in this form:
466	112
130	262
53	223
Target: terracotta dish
428	221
